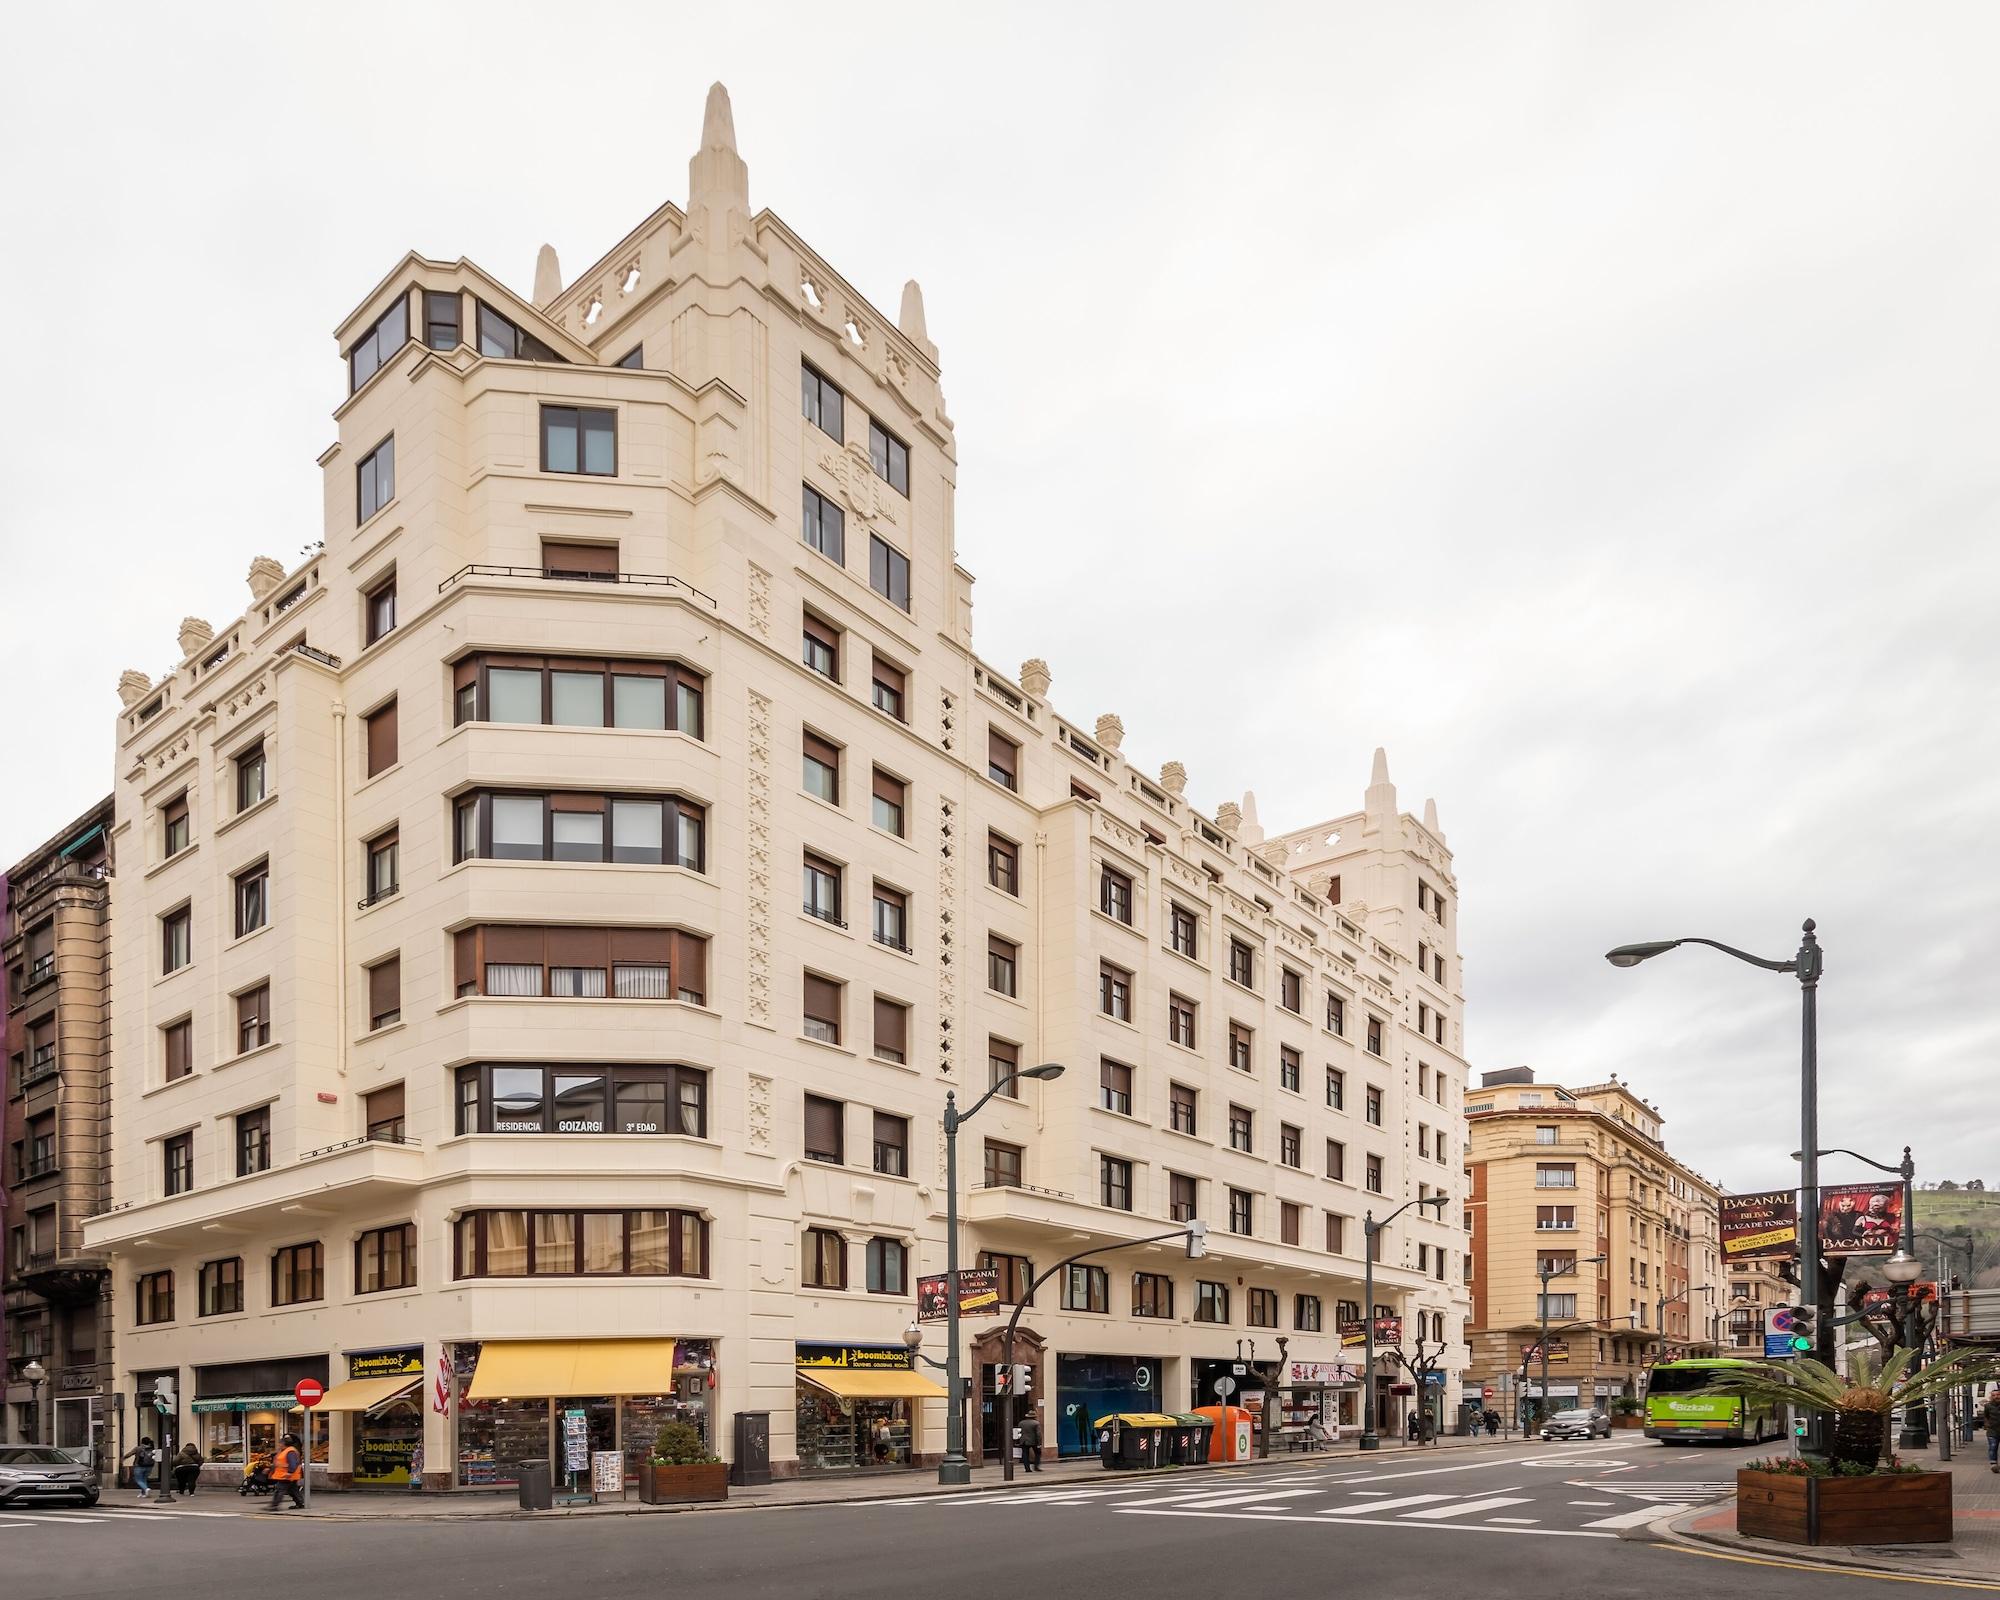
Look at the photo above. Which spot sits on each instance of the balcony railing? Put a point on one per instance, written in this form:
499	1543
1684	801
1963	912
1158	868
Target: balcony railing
1027	1188
899	945
41	1067
377	896
365	1139
39	1167
40	971
824	914
641	580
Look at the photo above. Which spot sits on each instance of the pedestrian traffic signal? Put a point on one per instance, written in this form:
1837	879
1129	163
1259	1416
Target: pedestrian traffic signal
1024	1378
164	1399
1197	1240
1003	1378
1805	1329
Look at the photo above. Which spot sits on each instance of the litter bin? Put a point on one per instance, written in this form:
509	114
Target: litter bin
1129	1440
536	1491
1190	1439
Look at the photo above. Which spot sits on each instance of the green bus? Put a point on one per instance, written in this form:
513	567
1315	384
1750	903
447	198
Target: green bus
1676	1414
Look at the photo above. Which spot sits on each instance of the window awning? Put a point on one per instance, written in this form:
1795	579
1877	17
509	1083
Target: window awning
894	1384
247	1402
365	1394
563	1367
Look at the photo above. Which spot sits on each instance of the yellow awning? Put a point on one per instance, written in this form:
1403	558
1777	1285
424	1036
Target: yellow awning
531	1368
893	1384
365	1394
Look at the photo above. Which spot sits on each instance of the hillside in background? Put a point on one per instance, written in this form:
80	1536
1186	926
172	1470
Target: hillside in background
1967	1217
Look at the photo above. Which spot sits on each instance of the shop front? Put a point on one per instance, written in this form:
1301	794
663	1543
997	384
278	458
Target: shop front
241	1410
1091	1386
382	1399
519	1400
1324	1394
1245	1379
858	1407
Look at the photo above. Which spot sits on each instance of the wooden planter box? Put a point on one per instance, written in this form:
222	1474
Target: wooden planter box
1886	1508
1636	1419
665	1486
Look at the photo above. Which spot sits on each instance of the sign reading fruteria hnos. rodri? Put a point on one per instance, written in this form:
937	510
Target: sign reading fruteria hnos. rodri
1754	1225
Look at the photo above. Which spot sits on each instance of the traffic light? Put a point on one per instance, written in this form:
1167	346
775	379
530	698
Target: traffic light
1024	1378
1197	1240
1805	1329
1003	1378
164	1399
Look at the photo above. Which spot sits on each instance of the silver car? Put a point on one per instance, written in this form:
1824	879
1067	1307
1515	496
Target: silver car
1577	1425
30	1472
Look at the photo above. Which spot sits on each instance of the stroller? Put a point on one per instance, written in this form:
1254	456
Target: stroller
257	1477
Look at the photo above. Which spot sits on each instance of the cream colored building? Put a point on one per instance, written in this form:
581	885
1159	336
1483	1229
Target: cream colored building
604	855
1558	1176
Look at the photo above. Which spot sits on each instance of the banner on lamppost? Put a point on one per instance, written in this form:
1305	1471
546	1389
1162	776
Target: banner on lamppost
1861	1219
978	1290
1354	1332
1558	1351
1754	1225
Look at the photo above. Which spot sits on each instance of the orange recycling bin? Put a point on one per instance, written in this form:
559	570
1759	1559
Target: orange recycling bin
1229	1434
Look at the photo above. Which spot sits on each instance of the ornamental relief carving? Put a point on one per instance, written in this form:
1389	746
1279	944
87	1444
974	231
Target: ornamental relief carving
947	935
866	495
758	821
760	601
759	1124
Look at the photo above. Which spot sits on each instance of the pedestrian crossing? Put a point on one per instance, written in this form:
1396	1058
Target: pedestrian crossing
62	1519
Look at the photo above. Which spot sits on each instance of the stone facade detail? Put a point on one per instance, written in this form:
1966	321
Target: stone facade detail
757	817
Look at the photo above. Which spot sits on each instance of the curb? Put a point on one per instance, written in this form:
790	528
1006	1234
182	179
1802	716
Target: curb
1667	1530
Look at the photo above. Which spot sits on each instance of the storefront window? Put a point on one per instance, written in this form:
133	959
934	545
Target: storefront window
1089	1387
842	1430
514	1244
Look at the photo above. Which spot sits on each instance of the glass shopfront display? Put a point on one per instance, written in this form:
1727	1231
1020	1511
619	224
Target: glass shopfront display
243	1408
387	1410
856	1407
1089	1387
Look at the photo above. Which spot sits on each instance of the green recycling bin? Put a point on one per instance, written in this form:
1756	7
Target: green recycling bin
1135	1440
1189	1444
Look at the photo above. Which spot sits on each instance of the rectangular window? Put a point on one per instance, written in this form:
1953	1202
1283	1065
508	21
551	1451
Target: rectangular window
1261	1308
1239	1047
1114	1087
1336	1233
1152	1295
1241	1211
824	1259
176	940
1336	1015
442	316
1555	1307
890	458
888	688
1288	1222
177	1045
1115	1183
177	1156
1086	1288
1374	1175
385	993
253	1018
820	401
1003	1059
822	1009
891	798
1291	990
1374	1036
155	1295
826	1130
1003	1165
820	887
379	611
892	918
1114	895
1291	1145
823	525
1184	1104
221	1286
821	776
386	1258
298	1275
1555	1175
375	480
1556	1219
1114	992
252	896
1374	1104
174	826
1003	864
1182	931
892	1145
888	571
251	777
1242	963
820	647
382	1110
376	348
1336	1160
1211	1301
580	439
1545	1135
593	563
1017	1277
1180	1020
888	1271
1002	965
1003	759
1306	1313
501	338
1290	1067
892	1030
1241	1122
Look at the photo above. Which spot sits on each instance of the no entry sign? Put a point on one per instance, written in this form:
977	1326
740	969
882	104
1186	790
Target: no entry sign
309	1392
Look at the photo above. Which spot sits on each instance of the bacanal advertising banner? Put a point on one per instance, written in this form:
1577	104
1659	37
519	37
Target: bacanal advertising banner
1388	1331
1860	1219
1754	1225
978	1290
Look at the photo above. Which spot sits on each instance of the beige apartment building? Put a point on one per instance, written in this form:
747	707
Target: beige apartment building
1558	1176
553	915
1755	1287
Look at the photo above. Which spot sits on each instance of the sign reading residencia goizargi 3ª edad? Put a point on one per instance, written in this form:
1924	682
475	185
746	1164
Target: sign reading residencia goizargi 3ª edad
1754	1225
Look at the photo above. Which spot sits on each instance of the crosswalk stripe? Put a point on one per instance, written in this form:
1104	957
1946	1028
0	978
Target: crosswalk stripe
1523	1522
1465	1509
1251	1497
1377	1507
1627	1519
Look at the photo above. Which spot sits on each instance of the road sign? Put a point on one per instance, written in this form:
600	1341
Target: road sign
309	1392
1780	1320
1486	1392
1225	1387
1778	1347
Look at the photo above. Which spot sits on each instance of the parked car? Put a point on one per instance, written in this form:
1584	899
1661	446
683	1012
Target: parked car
1578	1425
31	1472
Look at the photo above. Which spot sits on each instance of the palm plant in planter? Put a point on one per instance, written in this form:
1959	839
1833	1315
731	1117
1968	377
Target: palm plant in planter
682	1468
1860	1403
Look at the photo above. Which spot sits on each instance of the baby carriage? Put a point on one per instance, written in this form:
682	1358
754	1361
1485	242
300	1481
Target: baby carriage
256	1477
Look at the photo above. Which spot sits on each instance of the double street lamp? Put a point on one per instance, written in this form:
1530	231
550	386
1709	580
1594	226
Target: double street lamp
1371	1230
955	1468
1806	966
35	1373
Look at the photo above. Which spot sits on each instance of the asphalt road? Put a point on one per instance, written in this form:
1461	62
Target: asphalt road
1544	1522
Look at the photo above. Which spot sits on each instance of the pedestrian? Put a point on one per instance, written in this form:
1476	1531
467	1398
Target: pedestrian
1492	1423
187	1469
287	1468
1031	1443
1412	1428
417	1468
1989	1419
142	1458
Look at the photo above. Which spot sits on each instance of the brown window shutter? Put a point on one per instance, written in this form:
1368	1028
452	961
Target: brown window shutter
251	1007
825	633
1000	1050
821	751
577	947
464	958
822	999
888	788
383	1105
577	802
997	946
385	986
892	1131
595	560
508	946
891	675
824	1124
382	739
176	809
892	1025
1001	751
465	672
641	944
178	1036
691	964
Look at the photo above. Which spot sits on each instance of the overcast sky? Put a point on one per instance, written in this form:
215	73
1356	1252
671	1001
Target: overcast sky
1592	404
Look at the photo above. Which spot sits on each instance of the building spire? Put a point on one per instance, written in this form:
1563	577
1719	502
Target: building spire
1431	819
912	319
717	176
548	278
1381	803
1252	831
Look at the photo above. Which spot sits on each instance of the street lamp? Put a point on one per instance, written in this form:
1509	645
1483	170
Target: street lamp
1545	1270
35	1372
1806	966
955	1469
1370	1231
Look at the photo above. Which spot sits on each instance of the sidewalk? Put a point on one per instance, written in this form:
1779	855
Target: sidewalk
1973	1554
391	1506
